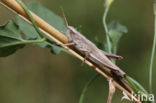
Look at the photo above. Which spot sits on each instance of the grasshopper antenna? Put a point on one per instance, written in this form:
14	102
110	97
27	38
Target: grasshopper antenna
64	17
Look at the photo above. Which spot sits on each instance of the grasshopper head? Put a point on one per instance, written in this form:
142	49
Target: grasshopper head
71	30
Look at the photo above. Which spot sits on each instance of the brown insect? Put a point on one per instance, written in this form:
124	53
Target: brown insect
90	50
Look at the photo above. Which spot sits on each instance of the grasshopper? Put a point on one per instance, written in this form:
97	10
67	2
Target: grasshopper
91	51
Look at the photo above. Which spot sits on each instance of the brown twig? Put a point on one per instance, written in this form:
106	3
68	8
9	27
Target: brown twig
53	34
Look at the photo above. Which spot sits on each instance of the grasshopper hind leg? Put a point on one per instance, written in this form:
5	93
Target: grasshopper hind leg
113	56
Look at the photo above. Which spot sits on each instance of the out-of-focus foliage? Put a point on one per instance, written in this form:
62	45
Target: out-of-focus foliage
33	75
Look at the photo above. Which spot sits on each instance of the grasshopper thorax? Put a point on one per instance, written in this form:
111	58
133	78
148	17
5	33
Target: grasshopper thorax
71	30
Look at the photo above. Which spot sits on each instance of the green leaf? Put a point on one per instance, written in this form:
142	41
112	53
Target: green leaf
116	31
10	40
49	17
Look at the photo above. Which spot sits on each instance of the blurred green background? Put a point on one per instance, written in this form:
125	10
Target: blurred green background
34	75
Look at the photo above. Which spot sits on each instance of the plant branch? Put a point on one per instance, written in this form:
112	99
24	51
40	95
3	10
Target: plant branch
153	50
106	29
52	34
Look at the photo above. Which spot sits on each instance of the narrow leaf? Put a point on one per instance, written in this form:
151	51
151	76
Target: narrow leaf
116	31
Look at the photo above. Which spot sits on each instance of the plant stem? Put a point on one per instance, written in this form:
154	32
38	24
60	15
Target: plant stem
153	51
16	8
31	18
106	29
59	38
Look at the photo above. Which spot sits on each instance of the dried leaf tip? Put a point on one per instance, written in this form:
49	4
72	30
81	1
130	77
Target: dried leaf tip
111	91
